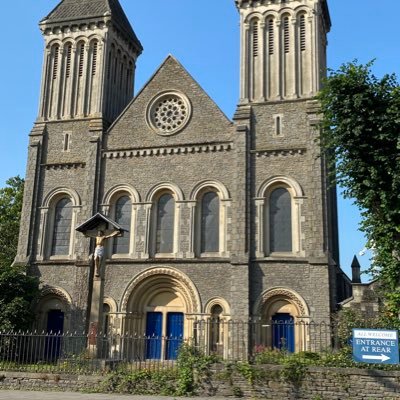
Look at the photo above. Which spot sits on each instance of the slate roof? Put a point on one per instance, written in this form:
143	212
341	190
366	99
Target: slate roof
70	10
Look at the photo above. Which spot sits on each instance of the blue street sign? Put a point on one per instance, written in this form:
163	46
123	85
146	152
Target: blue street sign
375	346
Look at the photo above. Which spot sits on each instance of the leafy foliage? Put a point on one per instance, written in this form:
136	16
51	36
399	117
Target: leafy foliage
193	369
296	364
348	319
10	215
17	291
141	382
361	133
192	372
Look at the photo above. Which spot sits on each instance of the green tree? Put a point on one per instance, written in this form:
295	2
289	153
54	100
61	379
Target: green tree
361	129
17	290
10	215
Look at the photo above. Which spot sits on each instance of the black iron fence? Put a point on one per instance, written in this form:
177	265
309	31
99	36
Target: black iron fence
86	353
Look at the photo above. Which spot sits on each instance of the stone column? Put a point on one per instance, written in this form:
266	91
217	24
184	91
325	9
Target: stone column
96	311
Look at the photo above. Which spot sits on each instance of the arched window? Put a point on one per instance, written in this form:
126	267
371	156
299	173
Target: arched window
81	58
302	32
123	216
94	57
286	37
216	335
106	319
68	54
164	242
56	53
270	36
255	38
117	56
279	218
60	245
210	221
280	221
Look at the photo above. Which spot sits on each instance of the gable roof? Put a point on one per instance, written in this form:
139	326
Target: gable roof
72	10
97	220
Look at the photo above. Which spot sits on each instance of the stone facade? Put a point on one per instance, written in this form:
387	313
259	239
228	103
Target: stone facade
92	155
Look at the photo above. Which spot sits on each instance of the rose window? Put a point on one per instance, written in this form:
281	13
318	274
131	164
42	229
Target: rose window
168	113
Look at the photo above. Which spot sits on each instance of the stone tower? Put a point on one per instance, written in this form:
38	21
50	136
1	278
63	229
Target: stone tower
89	61
283	45
293	222
87	80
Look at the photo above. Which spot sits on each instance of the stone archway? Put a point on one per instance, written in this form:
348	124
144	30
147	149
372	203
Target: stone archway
54	302
284	319
160	303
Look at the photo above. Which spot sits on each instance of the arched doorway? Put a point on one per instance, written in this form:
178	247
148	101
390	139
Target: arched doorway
284	317
160	302
53	311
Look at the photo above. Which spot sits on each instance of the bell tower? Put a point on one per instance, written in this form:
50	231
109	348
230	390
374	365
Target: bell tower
87	80
89	61
283	48
283	63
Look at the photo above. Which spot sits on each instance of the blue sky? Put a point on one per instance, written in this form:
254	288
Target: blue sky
204	36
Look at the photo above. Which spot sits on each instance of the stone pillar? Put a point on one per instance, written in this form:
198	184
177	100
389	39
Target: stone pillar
96	312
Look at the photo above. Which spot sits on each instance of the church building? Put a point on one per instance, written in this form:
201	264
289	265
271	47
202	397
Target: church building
226	218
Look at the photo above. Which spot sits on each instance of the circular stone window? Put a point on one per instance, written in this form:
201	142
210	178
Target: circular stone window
168	113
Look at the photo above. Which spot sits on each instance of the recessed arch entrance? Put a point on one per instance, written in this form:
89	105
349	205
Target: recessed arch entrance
284	320
160	303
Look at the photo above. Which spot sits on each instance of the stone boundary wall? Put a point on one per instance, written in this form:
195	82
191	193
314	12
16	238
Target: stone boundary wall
48	381
316	384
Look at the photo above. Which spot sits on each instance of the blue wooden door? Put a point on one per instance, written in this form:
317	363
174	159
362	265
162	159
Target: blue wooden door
174	334
283	332
55	328
154	335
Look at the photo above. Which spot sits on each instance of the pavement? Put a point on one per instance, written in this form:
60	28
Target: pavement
22	395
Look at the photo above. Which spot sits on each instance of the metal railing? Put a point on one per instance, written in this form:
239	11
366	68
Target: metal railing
87	354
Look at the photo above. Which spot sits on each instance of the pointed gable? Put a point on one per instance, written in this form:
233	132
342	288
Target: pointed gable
205	122
73	10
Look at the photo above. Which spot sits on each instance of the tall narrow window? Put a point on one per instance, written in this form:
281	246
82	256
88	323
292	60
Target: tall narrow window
255	39
165	224
94	58
215	330
278	125
123	215
68	62
210	223
62	228
81	59
109	65
280	221
106	320
121	75
286	37
128	74
116	67
302	32
56	52
66	142
129	79
270	34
